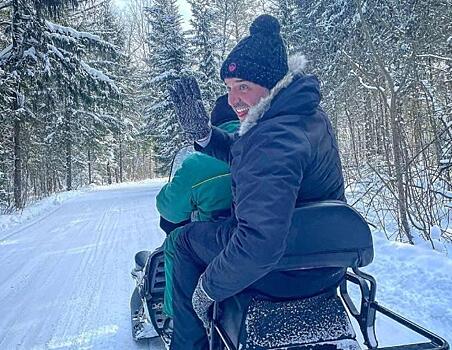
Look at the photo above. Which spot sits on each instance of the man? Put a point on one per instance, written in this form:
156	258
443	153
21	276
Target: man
284	155
200	190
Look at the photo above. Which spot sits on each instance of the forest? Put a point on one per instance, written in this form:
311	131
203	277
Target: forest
84	94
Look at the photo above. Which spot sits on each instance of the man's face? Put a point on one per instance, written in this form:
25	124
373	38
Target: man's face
243	94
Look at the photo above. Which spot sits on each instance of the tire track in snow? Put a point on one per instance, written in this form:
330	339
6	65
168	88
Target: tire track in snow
78	273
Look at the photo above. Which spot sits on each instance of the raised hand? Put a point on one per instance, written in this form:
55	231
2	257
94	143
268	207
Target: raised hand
190	111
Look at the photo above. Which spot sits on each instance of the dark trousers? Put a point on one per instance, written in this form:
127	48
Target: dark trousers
197	245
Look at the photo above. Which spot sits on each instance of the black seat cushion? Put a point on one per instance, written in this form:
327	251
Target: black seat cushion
271	325
319	322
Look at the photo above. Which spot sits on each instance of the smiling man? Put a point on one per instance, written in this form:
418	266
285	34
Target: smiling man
284	155
242	95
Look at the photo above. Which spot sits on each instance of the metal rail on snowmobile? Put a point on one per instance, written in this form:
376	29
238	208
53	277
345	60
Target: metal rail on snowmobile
369	308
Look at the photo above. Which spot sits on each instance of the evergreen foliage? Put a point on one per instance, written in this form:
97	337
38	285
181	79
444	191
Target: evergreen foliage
203	43
167	61
61	93
84	93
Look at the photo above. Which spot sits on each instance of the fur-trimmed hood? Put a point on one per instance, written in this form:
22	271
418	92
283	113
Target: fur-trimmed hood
297	63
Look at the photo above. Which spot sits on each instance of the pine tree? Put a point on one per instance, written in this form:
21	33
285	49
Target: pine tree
203	44
232	19
167	62
44	69
288	13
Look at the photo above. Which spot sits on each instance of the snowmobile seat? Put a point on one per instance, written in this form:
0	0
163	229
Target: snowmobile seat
258	322
338	236
334	235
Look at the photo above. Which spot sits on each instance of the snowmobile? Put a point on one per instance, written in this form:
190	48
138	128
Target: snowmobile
146	303
334	235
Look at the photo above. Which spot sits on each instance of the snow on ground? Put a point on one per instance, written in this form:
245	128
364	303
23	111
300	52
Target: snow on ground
47	205
416	282
65	273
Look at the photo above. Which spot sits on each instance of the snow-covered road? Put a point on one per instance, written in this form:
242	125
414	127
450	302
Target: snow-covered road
65	274
65	278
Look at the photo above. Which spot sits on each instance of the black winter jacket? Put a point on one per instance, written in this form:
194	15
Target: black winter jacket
285	154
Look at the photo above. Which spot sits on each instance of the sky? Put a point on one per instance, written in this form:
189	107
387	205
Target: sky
184	9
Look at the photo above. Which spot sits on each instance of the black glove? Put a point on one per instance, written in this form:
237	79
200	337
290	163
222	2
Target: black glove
202	303
190	110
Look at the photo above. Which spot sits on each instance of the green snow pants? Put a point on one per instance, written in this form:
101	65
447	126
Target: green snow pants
168	249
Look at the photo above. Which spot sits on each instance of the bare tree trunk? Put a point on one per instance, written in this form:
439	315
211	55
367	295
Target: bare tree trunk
151	165
396	128
386	136
68	153
369	136
121	163
109	173
18	50
353	137
90	181
433	122
17	164
54	181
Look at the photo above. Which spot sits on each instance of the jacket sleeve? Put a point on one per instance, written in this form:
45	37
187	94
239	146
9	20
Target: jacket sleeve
268	177
219	145
174	199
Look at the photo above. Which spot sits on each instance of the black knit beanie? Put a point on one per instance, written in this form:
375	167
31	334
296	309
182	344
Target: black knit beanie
260	57
222	112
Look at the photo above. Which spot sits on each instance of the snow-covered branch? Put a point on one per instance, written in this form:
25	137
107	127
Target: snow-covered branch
71	33
443	58
5	53
375	86
98	75
5	4
361	81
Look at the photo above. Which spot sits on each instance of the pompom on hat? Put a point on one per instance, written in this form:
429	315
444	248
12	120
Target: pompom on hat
261	57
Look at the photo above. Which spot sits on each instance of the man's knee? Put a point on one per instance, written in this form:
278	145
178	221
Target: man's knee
197	241
180	242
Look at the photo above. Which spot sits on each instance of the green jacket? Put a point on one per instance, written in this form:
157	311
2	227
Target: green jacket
202	185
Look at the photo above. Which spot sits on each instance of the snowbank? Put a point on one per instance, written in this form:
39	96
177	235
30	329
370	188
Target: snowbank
416	282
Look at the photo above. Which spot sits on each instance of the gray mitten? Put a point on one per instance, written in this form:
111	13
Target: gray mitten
190	111
201	303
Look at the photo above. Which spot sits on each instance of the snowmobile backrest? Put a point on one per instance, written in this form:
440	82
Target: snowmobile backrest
327	234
